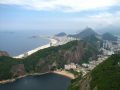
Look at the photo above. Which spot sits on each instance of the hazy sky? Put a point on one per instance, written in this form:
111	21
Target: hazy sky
58	14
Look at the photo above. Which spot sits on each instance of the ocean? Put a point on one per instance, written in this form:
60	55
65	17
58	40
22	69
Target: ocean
18	42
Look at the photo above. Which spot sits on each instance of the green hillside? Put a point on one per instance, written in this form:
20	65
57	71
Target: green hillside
106	76
6	64
48	59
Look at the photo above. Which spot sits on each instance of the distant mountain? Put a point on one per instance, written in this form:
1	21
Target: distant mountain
109	37
111	29
85	33
94	40
61	34
105	76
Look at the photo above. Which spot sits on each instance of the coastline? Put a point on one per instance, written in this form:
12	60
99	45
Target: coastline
52	41
62	73
14	79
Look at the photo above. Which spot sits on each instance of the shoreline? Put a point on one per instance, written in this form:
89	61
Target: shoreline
52	41
14	79
62	73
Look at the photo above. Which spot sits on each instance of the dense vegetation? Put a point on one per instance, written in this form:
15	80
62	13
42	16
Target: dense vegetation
44	60
75	83
59	55
5	67
106	76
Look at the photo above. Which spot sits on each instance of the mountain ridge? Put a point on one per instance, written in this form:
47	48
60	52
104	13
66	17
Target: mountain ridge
84	33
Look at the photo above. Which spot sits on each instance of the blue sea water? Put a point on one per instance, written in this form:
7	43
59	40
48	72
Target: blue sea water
18	42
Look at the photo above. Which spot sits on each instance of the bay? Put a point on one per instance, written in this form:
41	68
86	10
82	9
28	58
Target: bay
48	81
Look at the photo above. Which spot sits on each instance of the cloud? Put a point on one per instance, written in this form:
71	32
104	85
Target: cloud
63	5
67	22
97	22
107	19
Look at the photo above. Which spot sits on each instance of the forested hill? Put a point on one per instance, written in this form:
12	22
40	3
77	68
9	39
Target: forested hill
106	76
48	59
87	32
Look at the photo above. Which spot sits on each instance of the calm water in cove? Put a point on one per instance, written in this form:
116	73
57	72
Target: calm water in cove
43	82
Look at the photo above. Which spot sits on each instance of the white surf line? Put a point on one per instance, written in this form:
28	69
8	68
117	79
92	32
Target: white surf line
52	41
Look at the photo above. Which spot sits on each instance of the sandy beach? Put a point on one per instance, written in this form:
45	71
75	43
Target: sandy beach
52	41
65	73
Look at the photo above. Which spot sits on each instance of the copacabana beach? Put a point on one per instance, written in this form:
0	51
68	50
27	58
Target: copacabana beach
52	42
18	42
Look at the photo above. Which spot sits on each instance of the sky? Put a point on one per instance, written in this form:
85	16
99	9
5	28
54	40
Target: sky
59	15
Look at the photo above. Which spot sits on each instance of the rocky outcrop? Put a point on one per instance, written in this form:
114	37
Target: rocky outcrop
18	70
74	55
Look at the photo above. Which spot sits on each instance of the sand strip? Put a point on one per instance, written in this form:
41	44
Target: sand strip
52	41
65	73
